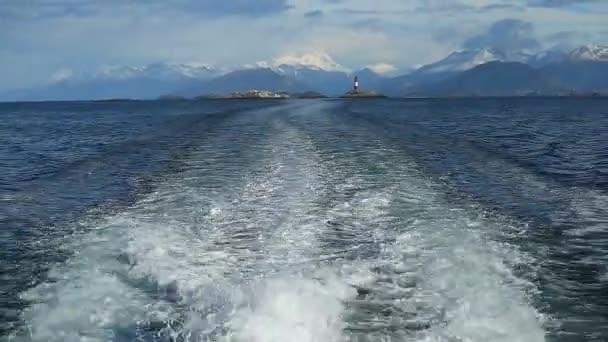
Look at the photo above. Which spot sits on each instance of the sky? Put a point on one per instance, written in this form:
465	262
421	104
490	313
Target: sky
43	39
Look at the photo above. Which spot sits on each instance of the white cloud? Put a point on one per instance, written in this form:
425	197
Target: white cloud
382	68
62	74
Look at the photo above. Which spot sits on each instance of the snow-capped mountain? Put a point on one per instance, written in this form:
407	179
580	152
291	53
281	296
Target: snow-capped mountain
463	60
468	59
584	69
460	61
158	71
313	60
138	82
590	53
244	80
316	70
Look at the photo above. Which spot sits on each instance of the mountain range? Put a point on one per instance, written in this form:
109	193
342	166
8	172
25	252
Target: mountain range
483	72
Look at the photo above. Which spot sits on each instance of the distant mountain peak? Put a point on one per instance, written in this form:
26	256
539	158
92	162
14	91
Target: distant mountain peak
312	60
495	78
596	52
463	60
158	71
163	71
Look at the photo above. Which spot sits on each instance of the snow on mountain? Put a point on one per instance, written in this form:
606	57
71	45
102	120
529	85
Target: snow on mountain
314	60
463	60
518	56
256	65
157	71
137	82
193	70
595	53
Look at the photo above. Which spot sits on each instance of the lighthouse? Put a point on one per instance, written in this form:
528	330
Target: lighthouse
355	93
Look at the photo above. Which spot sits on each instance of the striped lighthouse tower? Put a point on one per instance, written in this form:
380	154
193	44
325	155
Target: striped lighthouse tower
356	85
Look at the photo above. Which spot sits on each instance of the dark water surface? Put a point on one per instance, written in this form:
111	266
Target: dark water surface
380	220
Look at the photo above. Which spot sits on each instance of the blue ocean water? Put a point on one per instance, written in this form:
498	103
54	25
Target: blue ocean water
311	220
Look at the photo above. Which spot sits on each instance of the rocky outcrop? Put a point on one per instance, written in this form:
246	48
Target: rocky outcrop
362	95
251	94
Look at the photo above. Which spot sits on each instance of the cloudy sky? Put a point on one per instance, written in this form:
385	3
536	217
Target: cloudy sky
41	38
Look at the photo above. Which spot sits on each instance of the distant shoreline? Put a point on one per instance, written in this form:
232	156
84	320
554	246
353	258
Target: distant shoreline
402	98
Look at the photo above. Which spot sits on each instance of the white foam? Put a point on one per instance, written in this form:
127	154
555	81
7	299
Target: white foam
460	271
293	309
277	252
590	208
87	300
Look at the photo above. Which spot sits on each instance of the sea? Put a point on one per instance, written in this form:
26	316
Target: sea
457	220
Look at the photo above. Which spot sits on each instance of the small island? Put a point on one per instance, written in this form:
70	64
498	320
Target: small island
356	93
250	94
362	94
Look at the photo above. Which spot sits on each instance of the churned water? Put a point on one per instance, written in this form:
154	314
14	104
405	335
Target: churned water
380	220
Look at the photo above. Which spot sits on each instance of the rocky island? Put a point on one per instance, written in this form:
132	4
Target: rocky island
356	93
362	94
251	94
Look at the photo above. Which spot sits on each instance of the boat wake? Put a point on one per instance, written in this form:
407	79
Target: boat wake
279	230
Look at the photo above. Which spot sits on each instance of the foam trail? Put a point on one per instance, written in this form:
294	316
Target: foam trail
444	278
278	235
